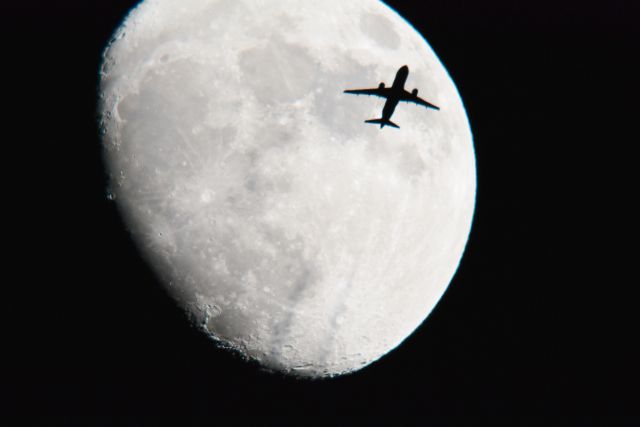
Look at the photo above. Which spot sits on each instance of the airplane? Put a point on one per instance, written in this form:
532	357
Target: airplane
394	94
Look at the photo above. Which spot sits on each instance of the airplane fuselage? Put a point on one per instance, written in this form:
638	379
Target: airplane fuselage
395	93
401	78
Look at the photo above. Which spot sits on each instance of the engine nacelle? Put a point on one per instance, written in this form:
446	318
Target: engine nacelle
414	92
381	86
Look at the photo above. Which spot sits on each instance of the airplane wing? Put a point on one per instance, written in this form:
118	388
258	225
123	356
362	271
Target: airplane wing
409	97
381	92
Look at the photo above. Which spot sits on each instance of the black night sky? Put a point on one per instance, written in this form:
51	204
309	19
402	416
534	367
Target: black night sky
538	326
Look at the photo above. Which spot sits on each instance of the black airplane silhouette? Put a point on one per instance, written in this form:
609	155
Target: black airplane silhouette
393	94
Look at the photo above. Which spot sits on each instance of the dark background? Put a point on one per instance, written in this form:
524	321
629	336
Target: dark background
538	325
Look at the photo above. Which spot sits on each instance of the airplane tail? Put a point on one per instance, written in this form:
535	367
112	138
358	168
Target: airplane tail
382	123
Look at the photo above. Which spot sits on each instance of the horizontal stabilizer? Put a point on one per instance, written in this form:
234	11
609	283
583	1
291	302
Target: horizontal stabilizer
382	123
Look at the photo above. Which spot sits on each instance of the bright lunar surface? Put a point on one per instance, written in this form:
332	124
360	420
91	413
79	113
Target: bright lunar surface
287	228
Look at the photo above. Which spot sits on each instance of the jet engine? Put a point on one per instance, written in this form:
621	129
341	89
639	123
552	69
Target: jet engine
381	86
414	92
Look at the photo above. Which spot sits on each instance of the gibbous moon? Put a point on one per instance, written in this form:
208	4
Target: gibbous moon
287	228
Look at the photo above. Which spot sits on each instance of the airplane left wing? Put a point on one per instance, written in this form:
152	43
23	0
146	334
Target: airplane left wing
383	93
409	97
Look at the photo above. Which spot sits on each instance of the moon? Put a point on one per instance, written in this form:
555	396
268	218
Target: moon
289	230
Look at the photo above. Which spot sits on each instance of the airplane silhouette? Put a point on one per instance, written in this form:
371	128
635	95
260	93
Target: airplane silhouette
394	94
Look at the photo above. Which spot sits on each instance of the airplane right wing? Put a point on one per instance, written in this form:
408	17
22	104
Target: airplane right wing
410	97
381	92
